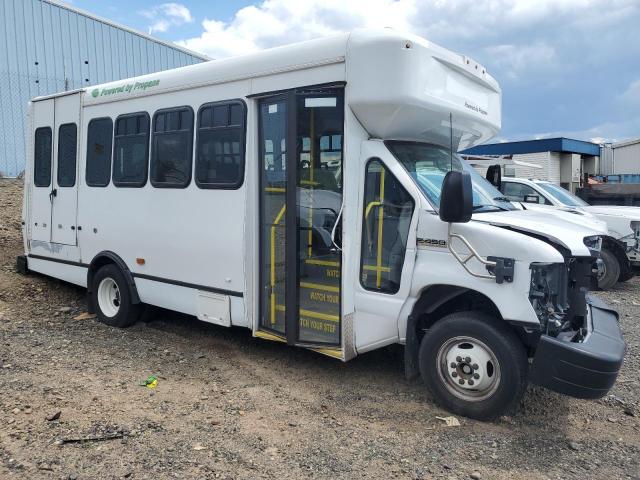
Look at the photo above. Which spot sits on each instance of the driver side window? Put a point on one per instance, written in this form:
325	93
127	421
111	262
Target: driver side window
388	208
516	192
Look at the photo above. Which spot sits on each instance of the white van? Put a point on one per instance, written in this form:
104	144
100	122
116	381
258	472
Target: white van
621	250
310	193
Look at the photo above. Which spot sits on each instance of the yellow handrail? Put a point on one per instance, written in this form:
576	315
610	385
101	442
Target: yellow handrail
380	219
273	263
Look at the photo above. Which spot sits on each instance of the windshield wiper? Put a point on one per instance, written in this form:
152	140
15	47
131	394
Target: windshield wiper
501	199
496	207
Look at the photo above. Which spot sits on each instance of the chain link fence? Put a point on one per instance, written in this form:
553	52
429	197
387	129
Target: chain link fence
15	92
14	95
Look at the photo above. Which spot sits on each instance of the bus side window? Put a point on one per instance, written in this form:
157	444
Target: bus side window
172	148
99	142
131	150
220	145
42	157
388	208
67	147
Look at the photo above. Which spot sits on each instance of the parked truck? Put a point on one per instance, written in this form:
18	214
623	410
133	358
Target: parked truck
621	247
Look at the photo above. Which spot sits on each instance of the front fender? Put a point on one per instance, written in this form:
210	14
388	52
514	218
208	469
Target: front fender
437	266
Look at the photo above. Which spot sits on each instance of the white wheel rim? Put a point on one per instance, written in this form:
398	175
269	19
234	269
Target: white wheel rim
109	297
468	368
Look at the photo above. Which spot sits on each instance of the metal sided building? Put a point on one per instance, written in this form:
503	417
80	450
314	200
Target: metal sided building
560	160
625	157
50	47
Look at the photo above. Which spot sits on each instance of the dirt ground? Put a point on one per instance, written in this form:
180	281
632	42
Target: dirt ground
230	406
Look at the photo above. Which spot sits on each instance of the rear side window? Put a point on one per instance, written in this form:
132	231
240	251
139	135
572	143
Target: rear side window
172	148
67	149
42	157
131	150
220	145
99	138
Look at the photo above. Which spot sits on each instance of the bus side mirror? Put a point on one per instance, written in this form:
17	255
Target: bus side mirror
456	200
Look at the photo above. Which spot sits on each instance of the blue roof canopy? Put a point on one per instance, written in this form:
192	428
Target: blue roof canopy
561	144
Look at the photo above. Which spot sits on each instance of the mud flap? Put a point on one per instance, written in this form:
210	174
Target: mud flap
21	264
411	348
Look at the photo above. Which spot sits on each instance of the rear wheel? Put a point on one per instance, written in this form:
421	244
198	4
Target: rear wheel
474	365
608	276
112	299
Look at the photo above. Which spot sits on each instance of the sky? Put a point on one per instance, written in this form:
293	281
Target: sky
566	67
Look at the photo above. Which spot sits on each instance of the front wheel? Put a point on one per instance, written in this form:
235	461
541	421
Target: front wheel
474	365
610	272
112	298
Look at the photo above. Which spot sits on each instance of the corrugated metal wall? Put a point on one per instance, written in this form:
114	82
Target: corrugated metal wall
626	158
606	160
46	48
541	159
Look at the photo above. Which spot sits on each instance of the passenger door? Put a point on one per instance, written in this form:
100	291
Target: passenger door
301	137
64	194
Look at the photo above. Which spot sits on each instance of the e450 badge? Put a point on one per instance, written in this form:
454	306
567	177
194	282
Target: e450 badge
432	242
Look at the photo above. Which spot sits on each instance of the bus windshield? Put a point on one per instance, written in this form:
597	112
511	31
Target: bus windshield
562	195
428	164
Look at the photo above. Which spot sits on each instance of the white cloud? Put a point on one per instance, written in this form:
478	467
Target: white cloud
167	15
514	59
277	22
560	62
631	95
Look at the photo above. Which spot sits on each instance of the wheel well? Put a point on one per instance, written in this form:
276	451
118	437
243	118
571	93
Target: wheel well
438	301
99	261
618	249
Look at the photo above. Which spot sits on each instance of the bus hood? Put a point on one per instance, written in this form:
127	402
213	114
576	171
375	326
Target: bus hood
553	227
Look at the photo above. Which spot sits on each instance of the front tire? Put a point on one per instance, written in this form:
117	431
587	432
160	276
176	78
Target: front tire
611	270
474	365
112	298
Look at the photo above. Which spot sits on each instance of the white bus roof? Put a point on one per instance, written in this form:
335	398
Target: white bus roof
398	85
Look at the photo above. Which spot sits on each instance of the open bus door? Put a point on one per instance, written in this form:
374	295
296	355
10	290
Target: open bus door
300	209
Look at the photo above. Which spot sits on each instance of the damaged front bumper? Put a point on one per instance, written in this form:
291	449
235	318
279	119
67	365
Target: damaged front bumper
584	369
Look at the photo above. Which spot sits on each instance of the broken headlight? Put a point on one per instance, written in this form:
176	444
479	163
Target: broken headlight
594	244
548	295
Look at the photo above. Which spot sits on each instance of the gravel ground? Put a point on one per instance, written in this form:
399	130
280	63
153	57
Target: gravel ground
230	406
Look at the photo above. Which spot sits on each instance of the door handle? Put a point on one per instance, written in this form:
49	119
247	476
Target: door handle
54	193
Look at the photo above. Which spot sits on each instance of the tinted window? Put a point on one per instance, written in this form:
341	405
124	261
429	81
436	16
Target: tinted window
220	145
99	138
42	158
172	148
131	150
385	228
67	136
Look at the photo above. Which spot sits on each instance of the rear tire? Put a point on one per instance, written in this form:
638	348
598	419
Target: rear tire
611	271
474	365
112	298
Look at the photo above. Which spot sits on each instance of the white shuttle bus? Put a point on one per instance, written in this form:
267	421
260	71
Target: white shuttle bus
310	193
